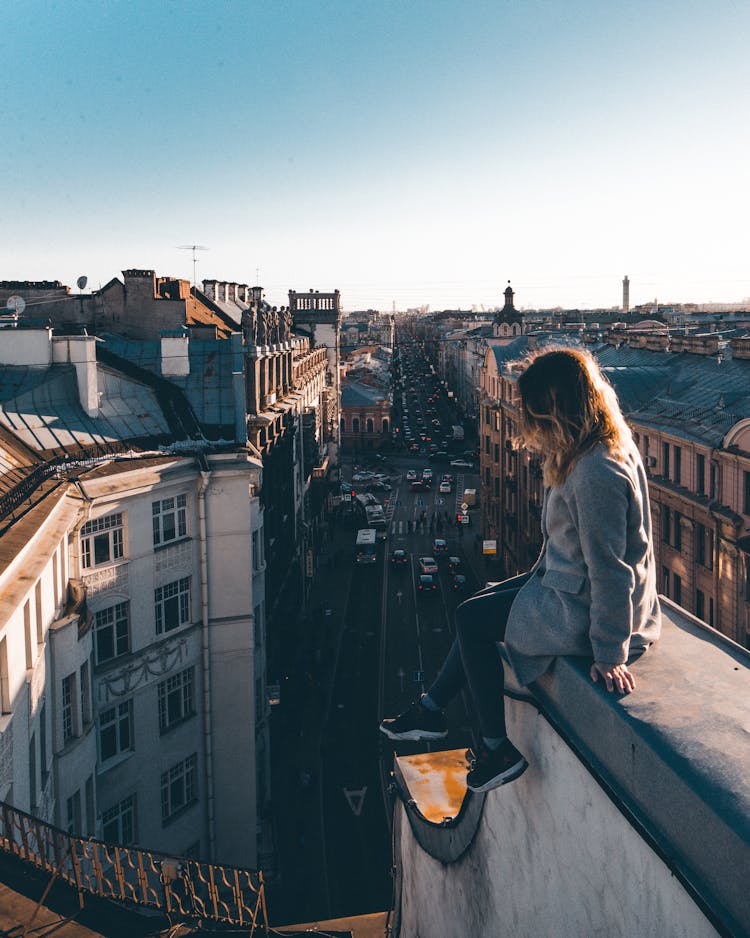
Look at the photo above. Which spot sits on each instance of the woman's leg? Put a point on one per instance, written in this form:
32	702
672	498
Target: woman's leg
486	614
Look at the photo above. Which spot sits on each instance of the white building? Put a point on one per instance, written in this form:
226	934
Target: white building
131	623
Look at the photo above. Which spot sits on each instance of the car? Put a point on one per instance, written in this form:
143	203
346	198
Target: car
439	546
363	476
411	475
399	556
427	565
448	477
427	583
418	486
461	464
414	447
458	581
380	486
445	488
427	475
454	563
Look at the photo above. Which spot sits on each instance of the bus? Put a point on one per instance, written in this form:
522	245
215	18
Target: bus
366	546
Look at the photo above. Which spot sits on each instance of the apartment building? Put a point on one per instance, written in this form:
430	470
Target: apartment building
131	612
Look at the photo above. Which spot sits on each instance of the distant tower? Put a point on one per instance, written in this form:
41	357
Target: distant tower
508	322
626	295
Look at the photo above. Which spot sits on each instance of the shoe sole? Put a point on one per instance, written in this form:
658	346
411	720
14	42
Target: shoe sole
413	735
509	775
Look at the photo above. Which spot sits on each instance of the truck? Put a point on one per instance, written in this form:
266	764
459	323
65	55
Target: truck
458	432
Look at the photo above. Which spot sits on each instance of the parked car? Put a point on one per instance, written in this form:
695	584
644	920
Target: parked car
427	583
461	464
380	486
427	565
363	476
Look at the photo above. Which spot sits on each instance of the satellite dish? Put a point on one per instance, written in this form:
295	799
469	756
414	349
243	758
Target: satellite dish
81	282
16	303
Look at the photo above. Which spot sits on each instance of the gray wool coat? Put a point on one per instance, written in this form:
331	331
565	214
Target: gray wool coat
592	591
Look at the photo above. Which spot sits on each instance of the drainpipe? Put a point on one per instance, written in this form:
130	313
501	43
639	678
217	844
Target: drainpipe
206	664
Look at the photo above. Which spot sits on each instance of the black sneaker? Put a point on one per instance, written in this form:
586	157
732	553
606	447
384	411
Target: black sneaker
416	723
496	767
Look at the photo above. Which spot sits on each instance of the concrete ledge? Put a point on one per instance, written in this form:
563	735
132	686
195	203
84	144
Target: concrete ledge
634	816
444	816
674	754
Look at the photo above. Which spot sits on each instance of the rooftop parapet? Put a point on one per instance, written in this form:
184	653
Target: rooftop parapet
633	818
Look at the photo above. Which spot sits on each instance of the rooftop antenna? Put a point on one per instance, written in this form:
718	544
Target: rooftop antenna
193	248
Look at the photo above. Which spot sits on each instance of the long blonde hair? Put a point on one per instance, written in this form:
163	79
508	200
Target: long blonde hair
567	407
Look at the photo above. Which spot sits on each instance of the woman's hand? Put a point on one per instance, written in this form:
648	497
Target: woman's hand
615	676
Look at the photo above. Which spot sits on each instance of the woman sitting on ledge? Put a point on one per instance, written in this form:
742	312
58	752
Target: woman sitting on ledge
592	592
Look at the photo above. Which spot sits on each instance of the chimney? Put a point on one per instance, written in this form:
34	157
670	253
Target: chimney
80	351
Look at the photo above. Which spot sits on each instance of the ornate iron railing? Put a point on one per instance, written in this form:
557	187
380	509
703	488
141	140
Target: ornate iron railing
173	885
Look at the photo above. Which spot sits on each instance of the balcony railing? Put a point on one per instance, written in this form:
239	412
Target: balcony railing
174	885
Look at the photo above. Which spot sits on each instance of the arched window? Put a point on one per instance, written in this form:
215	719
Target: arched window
355	424
385	425
342	424
370	425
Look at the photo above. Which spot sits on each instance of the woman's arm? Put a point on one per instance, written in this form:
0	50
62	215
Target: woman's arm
600	494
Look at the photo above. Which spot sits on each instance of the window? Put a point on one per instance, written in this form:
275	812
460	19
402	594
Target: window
487	444
370	425
102	541
90	821
665	580
68	707
645	447
666	523
746	501
73	811
172	605
32	773
700	604
711	611
487	416
677	469
665	460
355	424
169	517
385	424
677	588
175	699
677	541
342	425
700	544
496	453
179	787
700	474
27	635
487	475
713	483
85	694
118	822
43	741
112	632
256	551
258	626
115	730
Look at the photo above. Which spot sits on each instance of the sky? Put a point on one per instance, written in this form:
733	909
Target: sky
406	152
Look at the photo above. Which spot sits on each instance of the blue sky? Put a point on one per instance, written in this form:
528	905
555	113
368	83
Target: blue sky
407	152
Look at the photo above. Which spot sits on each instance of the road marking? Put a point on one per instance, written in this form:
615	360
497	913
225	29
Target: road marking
356	799
399	596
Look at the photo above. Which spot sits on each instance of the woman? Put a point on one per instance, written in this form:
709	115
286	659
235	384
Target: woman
592	592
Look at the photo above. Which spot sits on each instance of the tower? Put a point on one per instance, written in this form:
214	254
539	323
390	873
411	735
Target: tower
319	316
508	322
626	294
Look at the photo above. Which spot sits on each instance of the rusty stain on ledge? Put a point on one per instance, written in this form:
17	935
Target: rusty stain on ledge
436	781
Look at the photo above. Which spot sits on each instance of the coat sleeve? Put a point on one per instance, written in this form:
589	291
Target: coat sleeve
600	496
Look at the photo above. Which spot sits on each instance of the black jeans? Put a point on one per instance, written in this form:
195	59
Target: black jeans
474	660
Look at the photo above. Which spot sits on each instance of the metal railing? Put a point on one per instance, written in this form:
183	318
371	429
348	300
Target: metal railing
172	885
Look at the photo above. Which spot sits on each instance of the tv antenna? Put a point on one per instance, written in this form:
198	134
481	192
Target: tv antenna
193	248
